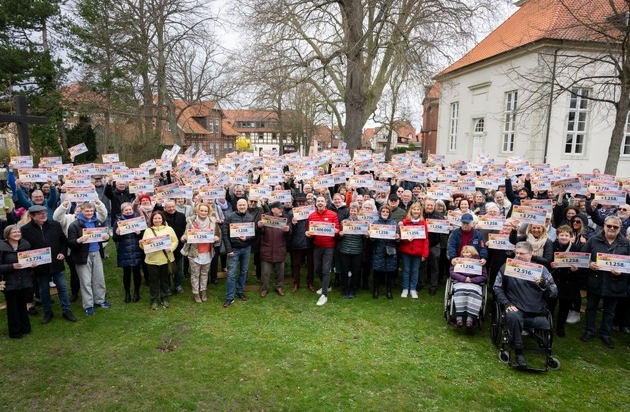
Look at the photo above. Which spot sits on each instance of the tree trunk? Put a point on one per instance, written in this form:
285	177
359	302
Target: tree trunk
621	115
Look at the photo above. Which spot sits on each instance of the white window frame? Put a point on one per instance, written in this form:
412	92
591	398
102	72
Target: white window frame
625	142
453	127
572	130
509	122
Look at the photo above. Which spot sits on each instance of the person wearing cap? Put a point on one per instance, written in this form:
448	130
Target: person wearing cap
466	235
273	250
300	250
41	233
397	213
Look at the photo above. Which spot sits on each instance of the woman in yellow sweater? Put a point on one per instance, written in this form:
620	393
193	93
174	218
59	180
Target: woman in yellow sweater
157	262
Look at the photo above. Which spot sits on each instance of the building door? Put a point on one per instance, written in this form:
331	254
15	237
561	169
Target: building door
479	133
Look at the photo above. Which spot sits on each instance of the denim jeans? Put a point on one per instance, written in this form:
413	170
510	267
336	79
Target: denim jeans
411	266
62	291
592	301
241	256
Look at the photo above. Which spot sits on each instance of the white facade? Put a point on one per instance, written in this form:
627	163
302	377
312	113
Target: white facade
478	115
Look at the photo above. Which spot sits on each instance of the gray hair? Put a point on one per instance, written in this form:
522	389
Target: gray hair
524	245
492	205
615	218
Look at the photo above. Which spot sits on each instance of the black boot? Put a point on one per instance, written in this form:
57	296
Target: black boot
136	295
390	281
375	281
127	296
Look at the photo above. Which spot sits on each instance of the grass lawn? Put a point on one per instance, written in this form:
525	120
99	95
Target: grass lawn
288	354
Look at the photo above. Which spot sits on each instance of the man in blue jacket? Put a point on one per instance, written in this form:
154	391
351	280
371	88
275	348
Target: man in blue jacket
466	235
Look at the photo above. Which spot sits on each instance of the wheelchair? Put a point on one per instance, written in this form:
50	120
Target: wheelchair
449	303
538	340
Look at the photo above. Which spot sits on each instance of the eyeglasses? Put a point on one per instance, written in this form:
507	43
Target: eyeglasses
623	209
613	227
253	201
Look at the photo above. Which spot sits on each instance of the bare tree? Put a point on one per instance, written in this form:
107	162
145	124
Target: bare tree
348	49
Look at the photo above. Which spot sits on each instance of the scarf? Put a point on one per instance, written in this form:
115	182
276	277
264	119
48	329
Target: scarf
201	224
537	244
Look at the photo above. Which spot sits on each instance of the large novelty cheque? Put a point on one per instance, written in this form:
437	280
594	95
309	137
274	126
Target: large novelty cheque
135	224
378	231
35	256
273	221
609	262
205	235
355	227
442	226
94	234
322	229
568	259
523	270
157	243
413	232
468	266
499	242
245	229
529	214
302	212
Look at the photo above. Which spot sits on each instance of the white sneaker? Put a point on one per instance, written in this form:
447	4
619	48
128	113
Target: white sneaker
319	291
414	294
573	318
51	284
322	300
404	293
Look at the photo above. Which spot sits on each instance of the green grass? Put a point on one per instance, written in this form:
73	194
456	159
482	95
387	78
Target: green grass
288	354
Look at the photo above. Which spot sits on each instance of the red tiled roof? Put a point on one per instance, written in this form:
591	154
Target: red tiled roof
227	129
369	133
245	115
186	120
537	20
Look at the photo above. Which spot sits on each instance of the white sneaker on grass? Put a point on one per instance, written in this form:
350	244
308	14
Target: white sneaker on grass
404	293
414	294
322	300
319	291
573	318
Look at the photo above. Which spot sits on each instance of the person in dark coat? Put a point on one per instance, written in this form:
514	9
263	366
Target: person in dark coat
605	285
18	280
118	193
129	254
43	233
339	207
255	209
384	255
300	249
273	250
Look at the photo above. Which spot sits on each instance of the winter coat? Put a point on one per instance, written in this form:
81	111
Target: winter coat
603	282
159	258
455	242
326	216
273	244
380	259
299	241
128	251
351	244
235	242
256	213
193	248
16	278
415	247
51	235
461	277
80	251
547	255
117	198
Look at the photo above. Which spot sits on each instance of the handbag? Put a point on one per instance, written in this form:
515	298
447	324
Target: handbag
390	250
172	266
185	249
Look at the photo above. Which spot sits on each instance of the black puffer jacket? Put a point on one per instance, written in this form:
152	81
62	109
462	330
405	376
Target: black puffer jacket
16	279
602	282
235	242
80	251
128	251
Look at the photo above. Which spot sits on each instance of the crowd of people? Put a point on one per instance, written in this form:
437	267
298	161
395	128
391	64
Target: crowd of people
348	234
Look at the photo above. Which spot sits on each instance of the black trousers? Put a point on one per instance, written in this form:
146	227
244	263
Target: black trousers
350	264
158	282
17	315
75	285
137	277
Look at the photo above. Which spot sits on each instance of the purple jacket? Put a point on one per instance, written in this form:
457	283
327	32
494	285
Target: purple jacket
461	277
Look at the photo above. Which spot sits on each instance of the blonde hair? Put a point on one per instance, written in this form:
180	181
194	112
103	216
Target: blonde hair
471	250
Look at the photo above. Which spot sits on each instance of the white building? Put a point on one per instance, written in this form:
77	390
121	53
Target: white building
497	99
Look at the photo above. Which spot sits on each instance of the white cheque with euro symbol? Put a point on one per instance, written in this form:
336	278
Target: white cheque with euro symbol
413	232
205	235
468	266
379	231
609	262
135	224
523	270
94	234
245	229
355	227
529	214
302	212
35	256
568	259
322	229
442	226
157	243
273	221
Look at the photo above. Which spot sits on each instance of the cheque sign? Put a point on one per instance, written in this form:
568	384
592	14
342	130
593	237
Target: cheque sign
157	243
378	231
609	262
322	229
245	229
568	259
468	266
413	232
95	234
523	270
135	224
35	256
205	235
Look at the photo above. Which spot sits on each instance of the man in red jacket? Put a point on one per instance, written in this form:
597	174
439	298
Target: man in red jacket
323	241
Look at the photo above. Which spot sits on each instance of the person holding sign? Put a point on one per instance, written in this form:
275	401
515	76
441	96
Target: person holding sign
466	235
524	300
414	250
384	254
17	281
536	236
323	242
273	247
117	193
467	291
568	279
86	255
238	248
604	282
157	261
201	253
128	252
351	251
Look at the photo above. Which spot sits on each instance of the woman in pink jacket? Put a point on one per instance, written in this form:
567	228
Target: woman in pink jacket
413	251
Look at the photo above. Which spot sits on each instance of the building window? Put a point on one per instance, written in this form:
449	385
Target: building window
576	125
625	143
480	125
452	136
509	121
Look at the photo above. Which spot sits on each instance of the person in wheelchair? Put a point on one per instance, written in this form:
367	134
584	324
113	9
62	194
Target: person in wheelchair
467	291
524	301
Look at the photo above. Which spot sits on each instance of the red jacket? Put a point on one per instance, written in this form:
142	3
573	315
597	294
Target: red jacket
415	247
326	216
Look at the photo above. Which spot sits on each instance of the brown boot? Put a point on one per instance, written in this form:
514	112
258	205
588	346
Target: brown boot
197	298
204	297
